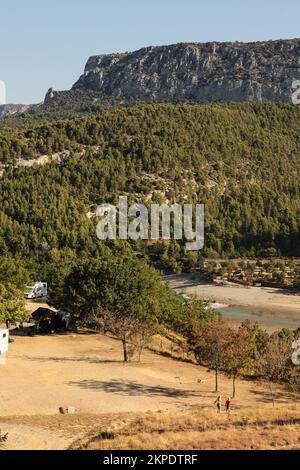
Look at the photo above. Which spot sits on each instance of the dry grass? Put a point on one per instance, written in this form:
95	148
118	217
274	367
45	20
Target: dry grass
261	429
191	430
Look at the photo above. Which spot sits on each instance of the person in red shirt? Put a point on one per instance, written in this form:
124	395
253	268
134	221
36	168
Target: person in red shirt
228	405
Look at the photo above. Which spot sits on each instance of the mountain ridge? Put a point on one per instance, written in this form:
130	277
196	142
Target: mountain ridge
177	73
199	72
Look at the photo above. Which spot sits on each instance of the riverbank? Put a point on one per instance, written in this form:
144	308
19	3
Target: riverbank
272	308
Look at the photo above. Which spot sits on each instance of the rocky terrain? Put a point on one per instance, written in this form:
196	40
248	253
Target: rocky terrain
11	109
179	73
195	72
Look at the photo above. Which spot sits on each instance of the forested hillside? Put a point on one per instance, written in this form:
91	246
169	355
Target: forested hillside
241	160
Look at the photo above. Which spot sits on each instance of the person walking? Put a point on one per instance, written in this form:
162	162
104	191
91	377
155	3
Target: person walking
228	405
218	404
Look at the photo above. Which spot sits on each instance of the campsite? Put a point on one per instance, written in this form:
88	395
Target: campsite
85	372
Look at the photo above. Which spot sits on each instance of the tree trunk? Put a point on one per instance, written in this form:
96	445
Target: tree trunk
217	382
125	350
233	387
140	350
272	393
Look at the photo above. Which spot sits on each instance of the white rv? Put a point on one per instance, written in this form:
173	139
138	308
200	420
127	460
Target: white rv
36	291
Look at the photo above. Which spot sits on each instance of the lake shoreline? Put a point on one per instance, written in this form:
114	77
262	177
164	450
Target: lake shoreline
272	308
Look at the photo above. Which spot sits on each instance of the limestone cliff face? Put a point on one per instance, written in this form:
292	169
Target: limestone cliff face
10	109
197	72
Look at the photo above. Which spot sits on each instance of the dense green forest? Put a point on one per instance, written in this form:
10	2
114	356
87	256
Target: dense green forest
241	160
65	105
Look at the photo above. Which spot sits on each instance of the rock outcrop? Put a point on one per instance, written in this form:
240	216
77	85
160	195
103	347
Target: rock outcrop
196	72
11	109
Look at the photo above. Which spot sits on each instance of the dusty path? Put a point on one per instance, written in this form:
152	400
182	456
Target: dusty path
278	305
21	437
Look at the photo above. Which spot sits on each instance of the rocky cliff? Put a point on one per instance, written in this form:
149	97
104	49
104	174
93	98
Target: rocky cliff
11	109
191	72
196	72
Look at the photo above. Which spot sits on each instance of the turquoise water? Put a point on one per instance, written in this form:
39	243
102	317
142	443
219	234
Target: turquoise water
244	313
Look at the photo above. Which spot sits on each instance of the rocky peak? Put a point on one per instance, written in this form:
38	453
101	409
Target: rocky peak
197	72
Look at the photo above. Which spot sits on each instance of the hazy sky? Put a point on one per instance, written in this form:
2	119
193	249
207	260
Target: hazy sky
46	43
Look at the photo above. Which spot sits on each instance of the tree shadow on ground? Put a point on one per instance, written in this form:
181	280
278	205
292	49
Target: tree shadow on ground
19	332
25	331
282	291
280	397
90	360
131	388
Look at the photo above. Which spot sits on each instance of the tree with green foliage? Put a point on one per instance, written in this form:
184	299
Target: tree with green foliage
126	293
197	314
12	304
13	271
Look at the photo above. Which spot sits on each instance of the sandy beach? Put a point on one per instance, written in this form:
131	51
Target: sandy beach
271	307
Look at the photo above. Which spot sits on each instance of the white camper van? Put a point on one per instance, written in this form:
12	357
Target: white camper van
36	291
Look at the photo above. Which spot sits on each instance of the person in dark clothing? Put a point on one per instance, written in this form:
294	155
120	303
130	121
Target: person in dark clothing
218	404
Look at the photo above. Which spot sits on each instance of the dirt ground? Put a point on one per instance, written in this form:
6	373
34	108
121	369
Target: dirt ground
85	371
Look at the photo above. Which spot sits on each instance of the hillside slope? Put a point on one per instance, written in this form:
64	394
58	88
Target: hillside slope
241	160
158	403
